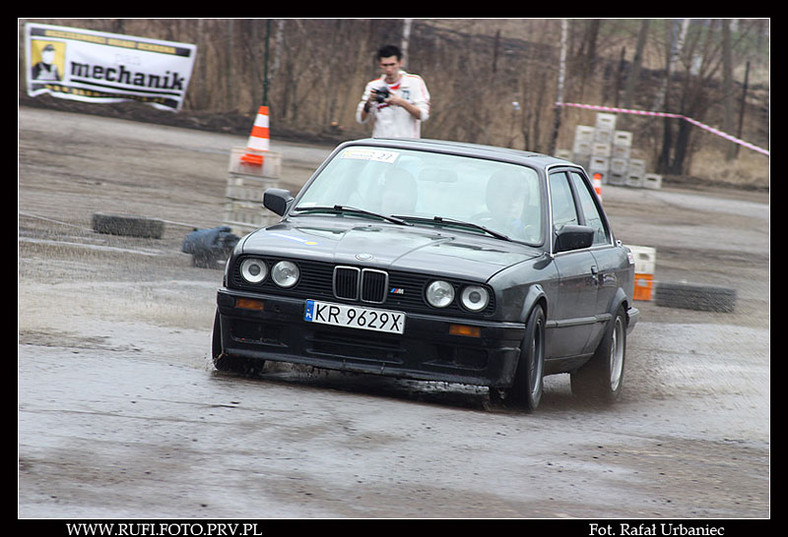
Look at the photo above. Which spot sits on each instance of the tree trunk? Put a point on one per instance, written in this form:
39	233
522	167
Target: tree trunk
674	53
727	86
560	92
637	61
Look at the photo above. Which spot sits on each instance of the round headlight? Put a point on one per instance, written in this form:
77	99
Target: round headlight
285	274
475	298
440	294
253	270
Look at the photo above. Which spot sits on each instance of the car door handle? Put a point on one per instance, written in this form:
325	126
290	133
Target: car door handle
595	274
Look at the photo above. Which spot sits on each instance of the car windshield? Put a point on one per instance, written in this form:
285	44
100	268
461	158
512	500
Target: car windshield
426	188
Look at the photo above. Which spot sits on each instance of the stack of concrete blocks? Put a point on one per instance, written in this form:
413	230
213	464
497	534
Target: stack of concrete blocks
603	149
621	161
652	180
583	145
248	179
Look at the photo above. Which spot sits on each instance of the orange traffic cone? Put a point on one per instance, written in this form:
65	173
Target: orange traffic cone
258	139
597	182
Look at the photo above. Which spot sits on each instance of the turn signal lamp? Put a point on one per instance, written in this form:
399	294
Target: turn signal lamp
465	330
249	304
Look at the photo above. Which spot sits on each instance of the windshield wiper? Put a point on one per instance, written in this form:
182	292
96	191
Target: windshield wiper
455	222
342	209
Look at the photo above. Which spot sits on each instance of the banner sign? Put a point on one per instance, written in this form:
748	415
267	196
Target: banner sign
99	67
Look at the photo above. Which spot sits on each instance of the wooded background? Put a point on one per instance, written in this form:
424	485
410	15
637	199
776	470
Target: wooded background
493	81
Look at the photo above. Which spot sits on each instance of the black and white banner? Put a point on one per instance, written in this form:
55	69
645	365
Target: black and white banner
85	65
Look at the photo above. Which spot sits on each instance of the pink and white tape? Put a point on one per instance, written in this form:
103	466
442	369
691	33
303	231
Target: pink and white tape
666	114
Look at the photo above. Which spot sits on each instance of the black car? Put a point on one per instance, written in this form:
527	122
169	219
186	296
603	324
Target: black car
435	260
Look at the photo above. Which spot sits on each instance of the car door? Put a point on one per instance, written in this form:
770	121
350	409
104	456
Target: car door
571	319
607	256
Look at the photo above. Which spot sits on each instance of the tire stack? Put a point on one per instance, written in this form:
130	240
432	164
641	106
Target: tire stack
682	295
128	225
695	297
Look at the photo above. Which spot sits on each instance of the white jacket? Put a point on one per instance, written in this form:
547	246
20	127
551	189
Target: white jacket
394	121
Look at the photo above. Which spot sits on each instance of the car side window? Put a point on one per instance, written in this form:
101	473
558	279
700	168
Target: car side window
591	216
561	201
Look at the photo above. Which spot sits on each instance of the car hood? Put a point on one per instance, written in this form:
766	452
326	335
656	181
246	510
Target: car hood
388	246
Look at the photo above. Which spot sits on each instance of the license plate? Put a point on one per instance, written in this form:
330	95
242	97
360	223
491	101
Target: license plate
390	322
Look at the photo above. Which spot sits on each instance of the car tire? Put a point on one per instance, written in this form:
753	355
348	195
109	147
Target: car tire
228	363
600	380
132	226
526	391
695	297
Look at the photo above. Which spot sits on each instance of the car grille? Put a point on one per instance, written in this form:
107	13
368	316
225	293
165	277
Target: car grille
325	281
367	285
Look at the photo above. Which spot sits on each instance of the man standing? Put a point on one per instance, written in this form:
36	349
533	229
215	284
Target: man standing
397	102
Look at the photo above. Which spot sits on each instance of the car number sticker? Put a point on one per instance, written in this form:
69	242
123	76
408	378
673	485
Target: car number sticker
391	322
366	153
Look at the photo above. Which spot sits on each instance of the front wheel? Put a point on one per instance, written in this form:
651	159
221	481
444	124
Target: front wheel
601	379
229	363
529	377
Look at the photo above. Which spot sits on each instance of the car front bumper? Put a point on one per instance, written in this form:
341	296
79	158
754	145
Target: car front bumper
275	330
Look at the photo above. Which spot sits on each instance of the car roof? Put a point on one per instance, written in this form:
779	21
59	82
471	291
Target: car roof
466	149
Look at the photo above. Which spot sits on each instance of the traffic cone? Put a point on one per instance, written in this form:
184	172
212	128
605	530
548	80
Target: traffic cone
258	139
597	182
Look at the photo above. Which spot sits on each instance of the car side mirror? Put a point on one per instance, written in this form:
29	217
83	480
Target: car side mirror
572	237
277	200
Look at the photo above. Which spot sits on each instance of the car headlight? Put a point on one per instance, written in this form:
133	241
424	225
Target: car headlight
285	274
474	298
440	294
253	270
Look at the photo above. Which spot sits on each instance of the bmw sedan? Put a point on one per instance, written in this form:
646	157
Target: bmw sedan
435	260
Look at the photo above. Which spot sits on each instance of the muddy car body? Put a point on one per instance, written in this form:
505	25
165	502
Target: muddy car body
435	261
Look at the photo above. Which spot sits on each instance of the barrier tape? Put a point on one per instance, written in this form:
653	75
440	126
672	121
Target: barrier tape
668	115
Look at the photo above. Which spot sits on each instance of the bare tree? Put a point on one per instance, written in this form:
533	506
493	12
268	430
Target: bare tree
560	89
634	73
727	84
674	51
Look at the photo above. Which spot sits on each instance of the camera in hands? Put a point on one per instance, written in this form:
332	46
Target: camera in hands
381	94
